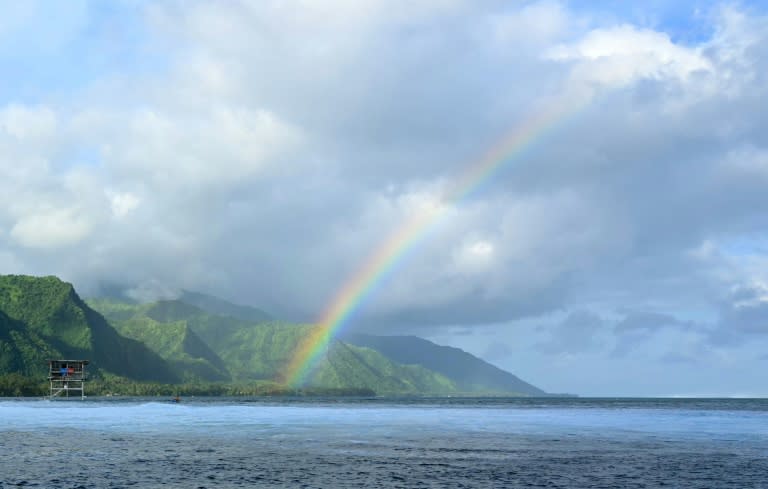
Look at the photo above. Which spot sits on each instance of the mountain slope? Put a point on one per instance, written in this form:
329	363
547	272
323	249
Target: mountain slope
188	355
348	365
247	350
22	351
172	341
175	342
261	350
469	373
43	318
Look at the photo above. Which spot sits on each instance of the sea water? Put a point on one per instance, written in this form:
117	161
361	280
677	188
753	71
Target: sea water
221	443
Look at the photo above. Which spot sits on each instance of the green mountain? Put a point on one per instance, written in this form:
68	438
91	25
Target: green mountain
216	344
21	351
187	355
251	351
43	318
247	350
459	371
464	372
353	366
469	373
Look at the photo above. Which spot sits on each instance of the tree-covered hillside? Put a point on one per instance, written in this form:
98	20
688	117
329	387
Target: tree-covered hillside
470	374
386	364
43	318
213	346
252	351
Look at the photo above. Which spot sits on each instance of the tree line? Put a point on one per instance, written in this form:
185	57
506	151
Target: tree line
17	385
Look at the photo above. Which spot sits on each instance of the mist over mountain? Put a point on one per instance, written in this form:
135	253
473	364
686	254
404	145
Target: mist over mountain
215	305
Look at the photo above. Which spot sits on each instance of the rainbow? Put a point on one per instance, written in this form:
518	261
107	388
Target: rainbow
385	258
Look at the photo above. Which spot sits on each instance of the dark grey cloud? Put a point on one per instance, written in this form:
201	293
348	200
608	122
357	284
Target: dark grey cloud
645	321
679	358
638	327
619	334
743	316
580	331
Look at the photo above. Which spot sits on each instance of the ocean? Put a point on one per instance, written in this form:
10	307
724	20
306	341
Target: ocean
378	443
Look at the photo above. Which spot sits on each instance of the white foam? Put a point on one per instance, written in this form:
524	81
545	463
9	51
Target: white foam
351	421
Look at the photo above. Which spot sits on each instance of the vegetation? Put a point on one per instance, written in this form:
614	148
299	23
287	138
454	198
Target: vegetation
469	373
174	347
46	306
44	318
17	385
353	366
260	351
186	354
118	386
126	387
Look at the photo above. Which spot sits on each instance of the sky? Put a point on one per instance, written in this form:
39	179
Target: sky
262	151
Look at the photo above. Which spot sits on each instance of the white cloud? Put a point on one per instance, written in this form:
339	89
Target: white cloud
30	125
51	228
623	54
151	290
224	146
536	23
474	255
757	296
745	162
122	203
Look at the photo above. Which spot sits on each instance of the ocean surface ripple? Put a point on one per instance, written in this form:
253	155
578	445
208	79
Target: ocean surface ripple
407	443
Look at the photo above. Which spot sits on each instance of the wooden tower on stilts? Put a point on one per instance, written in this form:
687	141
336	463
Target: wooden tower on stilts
67	376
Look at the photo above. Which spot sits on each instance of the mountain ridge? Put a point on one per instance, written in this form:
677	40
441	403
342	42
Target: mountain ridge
259	351
172	341
467	370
